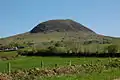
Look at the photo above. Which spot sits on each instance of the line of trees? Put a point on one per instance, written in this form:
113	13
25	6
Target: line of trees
60	49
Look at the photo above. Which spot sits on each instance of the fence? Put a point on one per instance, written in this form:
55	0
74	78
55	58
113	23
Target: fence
9	66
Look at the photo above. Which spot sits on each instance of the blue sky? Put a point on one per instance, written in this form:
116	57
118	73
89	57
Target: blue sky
19	16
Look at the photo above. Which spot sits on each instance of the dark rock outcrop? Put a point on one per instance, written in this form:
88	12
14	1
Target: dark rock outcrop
60	26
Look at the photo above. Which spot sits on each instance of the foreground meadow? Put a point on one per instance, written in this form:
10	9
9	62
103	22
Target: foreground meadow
86	68
48	62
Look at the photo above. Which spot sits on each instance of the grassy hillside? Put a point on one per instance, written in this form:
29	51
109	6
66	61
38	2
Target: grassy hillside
54	36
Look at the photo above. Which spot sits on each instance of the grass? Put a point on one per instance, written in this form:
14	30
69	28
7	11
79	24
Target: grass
31	62
56	36
49	62
8	54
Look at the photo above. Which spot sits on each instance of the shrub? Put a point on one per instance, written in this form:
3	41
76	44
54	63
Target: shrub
113	63
43	50
23	52
60	50
51	48
33	51
59	44
112	49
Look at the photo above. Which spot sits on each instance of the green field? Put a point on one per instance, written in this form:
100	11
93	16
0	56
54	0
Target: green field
49	62
31	62
8	54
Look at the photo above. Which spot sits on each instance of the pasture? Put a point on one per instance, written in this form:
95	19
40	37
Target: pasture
26	63
48	62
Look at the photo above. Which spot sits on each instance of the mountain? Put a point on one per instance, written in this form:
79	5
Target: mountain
57	30
60	26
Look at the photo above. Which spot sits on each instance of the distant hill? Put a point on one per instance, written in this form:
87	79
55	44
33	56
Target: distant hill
57	30
60	26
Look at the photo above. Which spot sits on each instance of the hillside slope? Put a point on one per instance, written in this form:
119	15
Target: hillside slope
56	30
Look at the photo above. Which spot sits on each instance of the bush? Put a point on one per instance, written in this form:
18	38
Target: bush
23	52
58	44
113	63
43	50
60	50
112	49
32	51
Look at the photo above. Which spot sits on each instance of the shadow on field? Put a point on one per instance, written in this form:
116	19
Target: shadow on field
73	54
